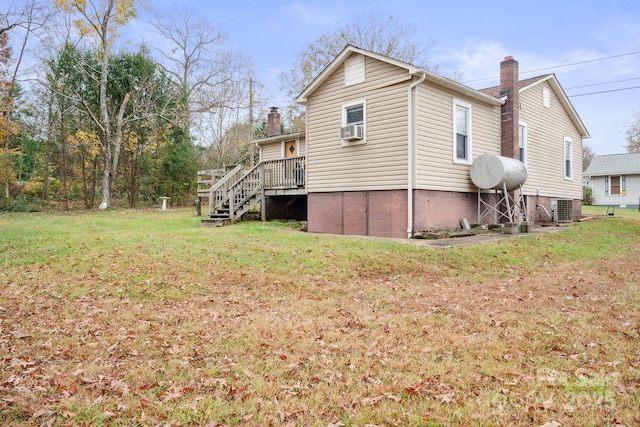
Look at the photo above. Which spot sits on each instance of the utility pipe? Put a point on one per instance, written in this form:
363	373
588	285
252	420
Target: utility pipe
410	155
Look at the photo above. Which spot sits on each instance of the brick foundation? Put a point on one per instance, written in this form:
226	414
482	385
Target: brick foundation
362	213
435	209
384	213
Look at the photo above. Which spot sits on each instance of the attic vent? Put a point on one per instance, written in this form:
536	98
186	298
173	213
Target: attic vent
354	70
565	208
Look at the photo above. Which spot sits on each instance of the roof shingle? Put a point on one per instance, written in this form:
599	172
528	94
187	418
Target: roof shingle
614	164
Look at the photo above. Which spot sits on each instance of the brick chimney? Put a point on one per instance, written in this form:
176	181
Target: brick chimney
511	109
273	122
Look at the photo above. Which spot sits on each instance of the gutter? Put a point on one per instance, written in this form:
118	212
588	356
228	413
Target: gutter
410	154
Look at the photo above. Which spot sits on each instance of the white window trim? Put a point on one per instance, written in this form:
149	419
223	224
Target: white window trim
467	105
524	142
567	143
363	102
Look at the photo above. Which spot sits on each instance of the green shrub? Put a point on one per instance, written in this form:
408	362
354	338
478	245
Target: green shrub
19	204
587	196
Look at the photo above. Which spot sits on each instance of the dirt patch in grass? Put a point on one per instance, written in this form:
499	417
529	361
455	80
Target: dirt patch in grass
553	346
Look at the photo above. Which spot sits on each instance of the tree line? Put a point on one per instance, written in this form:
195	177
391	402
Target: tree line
86	122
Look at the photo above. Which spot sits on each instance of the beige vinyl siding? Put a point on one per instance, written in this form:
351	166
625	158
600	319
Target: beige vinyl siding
380	163
271	151
547	129
435	168
302	147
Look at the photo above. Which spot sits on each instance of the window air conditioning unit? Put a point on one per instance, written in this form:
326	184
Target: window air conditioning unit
351	132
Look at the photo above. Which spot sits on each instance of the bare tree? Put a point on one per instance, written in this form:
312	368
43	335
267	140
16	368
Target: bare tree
195	59
587	156
377	33
227	126
214	84
633	134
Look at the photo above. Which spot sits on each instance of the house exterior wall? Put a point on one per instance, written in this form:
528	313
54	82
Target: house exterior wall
547	129
271	151
435	167
380	163
361	188
274	150
632	198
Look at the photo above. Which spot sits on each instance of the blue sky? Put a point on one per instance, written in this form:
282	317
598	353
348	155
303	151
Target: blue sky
468	36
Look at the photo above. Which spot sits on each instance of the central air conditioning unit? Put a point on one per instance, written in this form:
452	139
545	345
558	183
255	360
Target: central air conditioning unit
564	211
351	132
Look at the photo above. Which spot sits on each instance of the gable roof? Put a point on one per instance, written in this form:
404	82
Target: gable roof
614	164
524	85
411	70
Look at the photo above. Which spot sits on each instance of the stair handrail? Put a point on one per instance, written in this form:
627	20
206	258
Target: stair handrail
239	198
224	182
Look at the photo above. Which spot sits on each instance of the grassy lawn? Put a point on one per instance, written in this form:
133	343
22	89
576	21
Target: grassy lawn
618	212
145	318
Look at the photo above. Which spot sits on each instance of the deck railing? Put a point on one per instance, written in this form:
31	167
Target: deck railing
237	186
284	173
218	194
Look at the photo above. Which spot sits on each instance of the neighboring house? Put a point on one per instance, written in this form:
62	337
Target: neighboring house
390	145
388	149
615	179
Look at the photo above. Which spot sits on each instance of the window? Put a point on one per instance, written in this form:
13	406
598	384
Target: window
567	158
354	70
461	132
522	142
615	185
354	116
546	97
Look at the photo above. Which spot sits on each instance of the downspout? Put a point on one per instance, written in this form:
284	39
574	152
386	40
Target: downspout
410	155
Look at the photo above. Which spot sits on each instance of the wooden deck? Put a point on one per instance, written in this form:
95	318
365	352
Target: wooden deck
231	193
284	176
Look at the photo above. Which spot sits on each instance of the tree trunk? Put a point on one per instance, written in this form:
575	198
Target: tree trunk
94	182
49	142
63	153
112	153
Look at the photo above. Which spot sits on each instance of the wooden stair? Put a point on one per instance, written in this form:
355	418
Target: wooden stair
233	196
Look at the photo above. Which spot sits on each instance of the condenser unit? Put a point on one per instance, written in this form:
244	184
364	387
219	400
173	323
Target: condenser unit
564	210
